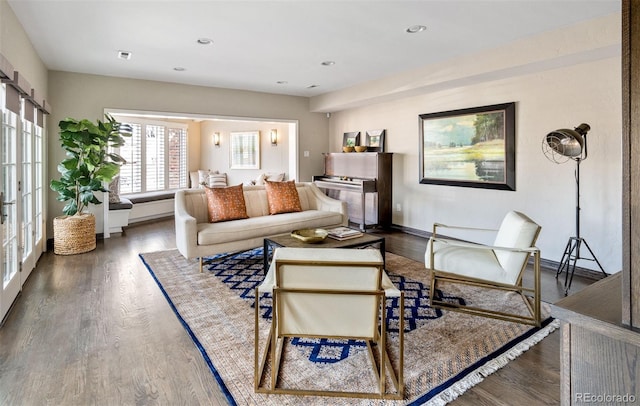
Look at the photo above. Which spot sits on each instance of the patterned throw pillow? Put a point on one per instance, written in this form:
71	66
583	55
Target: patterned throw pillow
282	197
203	177
217	179
114	190
225	203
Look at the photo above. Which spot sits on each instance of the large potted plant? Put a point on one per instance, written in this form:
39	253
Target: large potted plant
88	165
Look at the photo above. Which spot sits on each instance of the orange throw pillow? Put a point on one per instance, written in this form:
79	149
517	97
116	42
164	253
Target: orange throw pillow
282	197
225	203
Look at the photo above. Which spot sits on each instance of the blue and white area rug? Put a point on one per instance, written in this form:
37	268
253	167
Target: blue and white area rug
446	353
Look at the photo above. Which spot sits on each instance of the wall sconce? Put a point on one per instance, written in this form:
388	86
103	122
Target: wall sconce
274	137
216	139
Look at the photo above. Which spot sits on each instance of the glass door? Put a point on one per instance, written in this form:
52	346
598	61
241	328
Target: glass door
26	188
9	255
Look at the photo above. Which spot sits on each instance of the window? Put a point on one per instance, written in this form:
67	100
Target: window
156	156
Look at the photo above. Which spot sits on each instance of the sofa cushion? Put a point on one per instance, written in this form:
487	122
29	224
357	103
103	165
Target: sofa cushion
122	204
282	197
226	203
264	226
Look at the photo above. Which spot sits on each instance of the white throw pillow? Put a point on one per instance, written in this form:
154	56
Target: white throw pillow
217	179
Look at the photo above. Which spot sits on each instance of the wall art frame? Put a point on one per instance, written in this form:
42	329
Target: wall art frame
244	150
375	140
473	147
351	139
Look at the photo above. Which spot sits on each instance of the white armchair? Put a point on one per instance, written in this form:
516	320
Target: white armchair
498	266
329	293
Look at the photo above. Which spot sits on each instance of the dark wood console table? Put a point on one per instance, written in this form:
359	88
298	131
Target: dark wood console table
600	357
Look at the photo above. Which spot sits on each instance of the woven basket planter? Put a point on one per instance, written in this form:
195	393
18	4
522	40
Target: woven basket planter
74	234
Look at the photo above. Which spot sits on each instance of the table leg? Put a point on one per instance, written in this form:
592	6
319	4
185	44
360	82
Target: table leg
265	254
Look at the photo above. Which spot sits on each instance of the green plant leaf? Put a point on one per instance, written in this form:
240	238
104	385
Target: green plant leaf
89	162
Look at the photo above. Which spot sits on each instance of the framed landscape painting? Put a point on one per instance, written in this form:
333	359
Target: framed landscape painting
472	147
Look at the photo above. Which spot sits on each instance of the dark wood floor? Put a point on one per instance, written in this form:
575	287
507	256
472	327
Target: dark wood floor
95	329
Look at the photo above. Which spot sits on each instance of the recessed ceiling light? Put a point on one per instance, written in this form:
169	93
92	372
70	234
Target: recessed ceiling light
414	29
328	63
179	69
312	86
282	82
126	55
204	41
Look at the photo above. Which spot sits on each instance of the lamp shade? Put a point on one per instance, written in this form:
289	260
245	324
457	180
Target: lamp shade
566	142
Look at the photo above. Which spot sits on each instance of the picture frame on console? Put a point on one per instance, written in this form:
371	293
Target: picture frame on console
351	139
473	147
375	140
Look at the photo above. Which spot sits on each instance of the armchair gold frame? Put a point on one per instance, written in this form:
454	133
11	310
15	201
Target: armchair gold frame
279	331
532	305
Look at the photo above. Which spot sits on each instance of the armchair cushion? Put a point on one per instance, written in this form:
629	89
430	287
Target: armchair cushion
488	262
333	269
516	231
466	259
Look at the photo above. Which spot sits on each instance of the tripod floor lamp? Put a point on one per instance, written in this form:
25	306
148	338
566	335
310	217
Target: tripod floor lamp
560	146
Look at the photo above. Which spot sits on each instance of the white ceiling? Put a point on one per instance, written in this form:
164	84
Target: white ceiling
258	43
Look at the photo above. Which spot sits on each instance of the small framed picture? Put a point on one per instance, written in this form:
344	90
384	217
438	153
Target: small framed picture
245	150
351	139
375	140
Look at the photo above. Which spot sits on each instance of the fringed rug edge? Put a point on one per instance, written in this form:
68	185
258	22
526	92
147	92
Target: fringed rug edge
473	375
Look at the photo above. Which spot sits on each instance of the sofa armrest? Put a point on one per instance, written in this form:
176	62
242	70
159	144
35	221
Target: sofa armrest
326	203
186	227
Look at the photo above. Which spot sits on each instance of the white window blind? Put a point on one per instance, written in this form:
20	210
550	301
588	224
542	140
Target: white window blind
156	157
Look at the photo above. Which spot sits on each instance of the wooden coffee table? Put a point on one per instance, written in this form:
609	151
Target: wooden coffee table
286	240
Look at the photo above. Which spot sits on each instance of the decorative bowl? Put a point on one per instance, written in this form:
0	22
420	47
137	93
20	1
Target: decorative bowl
310	235
360	148
348	149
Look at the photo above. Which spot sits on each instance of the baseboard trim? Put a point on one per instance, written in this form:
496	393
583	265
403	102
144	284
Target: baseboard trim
412	231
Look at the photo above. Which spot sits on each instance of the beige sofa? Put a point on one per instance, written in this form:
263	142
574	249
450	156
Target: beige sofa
197	238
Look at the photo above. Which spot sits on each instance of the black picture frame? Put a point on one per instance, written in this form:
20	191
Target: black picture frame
351	139
375	140
473	147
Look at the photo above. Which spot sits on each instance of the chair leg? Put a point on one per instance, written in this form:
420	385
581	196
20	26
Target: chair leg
432	291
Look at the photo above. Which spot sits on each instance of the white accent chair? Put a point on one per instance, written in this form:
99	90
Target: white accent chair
328	293
498	266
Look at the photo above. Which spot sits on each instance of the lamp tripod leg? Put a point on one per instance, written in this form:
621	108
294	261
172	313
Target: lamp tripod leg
571	257
568	279
595	259
564	262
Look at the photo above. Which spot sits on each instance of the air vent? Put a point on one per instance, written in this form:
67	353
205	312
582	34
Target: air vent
126	55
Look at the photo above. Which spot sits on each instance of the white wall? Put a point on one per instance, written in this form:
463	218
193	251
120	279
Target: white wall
562	97
18	50
272	158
